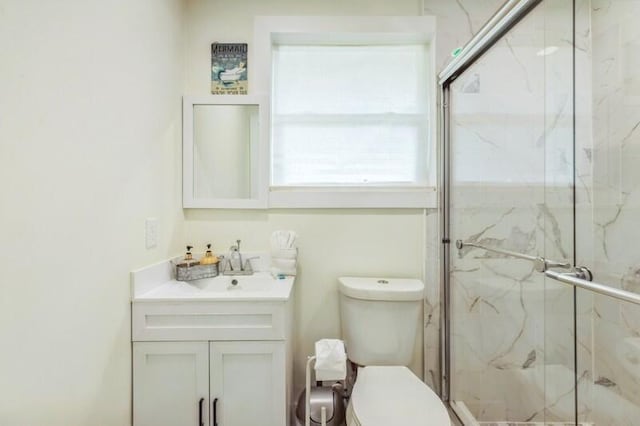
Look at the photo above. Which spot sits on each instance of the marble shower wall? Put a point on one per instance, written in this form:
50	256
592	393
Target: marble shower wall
608	210
513	139
457	22
512	330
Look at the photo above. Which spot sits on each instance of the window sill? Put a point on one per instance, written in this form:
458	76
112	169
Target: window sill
310	198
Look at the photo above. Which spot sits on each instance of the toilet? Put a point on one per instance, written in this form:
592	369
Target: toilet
380	319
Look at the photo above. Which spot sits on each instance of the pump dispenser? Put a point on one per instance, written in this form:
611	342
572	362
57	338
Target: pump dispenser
188	258
209	258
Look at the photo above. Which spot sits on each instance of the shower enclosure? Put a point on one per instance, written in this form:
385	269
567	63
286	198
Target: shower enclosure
540	217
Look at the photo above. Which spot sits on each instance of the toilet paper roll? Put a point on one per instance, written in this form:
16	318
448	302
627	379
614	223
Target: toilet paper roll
331	360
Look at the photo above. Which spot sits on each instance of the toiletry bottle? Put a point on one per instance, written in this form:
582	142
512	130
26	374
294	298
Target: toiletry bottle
188	258
208	258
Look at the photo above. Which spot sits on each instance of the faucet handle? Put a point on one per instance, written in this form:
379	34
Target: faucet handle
247	262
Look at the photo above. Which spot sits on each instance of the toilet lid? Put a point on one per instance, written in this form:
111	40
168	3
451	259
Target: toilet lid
393	395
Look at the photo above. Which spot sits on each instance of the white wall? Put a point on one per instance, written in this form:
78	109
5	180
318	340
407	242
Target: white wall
332	242
89	146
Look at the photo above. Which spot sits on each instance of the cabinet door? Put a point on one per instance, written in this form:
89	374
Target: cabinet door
170	383
248	380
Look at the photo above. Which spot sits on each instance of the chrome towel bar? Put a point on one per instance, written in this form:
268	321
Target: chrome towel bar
579	276
539	263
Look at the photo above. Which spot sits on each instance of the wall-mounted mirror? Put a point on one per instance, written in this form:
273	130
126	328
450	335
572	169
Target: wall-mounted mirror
225	150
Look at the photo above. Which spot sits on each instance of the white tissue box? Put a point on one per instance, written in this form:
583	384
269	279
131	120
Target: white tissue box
331	360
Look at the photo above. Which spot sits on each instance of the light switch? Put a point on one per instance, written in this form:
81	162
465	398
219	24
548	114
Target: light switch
151	232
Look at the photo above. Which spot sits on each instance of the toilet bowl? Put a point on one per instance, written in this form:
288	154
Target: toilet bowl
379	319
393	395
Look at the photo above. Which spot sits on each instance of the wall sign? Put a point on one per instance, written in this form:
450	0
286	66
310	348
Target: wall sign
229	68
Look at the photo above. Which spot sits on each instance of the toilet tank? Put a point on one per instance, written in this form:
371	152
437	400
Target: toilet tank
379	318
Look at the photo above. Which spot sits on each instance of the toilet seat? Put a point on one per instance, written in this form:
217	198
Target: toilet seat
393	395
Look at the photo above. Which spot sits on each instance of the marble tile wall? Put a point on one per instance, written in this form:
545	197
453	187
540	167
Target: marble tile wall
513	136
608	155
457	22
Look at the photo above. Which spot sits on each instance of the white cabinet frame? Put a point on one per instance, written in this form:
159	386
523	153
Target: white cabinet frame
259	161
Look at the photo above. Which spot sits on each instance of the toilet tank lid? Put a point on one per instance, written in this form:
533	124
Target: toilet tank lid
383	289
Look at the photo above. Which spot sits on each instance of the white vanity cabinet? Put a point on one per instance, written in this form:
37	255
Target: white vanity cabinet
186	383
210	353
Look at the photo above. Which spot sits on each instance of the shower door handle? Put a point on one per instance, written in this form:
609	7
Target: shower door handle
582	279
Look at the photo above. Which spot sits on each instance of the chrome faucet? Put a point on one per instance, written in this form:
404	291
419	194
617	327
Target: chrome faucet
234	253
235	256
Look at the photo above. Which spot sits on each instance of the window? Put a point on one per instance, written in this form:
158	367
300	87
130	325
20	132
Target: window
351	120
349	115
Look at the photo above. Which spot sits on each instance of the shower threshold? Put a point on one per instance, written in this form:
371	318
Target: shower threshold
532	424
467	418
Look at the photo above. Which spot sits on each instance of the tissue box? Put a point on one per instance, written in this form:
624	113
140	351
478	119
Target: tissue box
331	360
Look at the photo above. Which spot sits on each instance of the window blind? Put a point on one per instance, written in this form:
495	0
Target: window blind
349	115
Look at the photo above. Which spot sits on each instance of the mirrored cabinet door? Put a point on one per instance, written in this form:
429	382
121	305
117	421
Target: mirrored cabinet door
225	152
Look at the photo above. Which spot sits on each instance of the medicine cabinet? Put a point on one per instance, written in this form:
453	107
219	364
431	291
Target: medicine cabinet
225	152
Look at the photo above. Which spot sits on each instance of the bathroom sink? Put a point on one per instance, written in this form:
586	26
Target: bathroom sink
245	307
256	287
255	283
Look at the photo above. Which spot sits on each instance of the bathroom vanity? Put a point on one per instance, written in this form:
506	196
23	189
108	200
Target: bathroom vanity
211	352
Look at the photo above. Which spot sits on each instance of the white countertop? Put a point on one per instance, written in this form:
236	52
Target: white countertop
157	283
260	286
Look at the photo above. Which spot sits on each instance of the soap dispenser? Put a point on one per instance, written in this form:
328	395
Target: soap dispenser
189	269
188	257
209	258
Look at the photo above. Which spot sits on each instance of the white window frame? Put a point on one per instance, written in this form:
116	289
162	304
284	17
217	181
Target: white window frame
273	30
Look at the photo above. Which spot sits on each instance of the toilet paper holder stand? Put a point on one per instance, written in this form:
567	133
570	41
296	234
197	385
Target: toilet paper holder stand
325	404
307	399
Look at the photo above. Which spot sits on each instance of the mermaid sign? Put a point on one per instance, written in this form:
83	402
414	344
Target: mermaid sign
229	68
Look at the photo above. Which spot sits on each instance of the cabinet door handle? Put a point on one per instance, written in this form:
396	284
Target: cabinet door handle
215	412
200	422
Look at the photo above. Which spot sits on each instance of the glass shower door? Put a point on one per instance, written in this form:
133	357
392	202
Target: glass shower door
512	351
